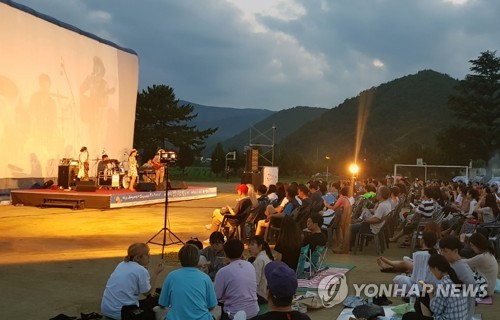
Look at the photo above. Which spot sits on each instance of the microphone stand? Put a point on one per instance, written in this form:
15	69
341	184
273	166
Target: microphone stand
165	229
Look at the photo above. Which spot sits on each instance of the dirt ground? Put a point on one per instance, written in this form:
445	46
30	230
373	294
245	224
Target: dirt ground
58	260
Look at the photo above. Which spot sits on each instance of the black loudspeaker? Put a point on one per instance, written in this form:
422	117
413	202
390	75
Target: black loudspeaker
254	178
63	179
145	186
252	160
86	186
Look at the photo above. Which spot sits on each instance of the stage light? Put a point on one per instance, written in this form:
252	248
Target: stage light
354	169
168	157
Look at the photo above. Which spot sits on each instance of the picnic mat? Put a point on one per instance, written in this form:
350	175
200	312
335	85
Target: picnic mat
332	269
346	314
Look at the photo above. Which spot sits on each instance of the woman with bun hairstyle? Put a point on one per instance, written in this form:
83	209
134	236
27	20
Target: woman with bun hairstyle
130	279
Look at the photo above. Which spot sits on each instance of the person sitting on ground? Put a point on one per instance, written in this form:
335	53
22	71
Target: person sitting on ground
212	257
188	292
416	267
289	243
243	203
236	283
484	263
406	265
315	237
374	224
441	305
281	287
127	282
424	210
262	254
450	248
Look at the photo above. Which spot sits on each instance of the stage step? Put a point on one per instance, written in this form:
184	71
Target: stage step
62	203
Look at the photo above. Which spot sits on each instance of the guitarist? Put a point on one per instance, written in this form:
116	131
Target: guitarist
83	164
159	168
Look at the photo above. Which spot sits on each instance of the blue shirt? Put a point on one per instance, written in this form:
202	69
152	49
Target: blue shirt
189	293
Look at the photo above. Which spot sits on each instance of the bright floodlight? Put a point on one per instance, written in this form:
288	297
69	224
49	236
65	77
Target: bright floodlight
353	168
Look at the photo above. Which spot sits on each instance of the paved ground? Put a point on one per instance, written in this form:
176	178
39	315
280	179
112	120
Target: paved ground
58	260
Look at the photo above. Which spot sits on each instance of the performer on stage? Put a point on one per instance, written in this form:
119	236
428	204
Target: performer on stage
101	166
159	168
147	171
83	164
132	170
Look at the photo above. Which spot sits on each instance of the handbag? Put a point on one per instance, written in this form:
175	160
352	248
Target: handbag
368	311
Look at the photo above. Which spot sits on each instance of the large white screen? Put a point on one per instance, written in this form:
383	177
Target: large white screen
60	90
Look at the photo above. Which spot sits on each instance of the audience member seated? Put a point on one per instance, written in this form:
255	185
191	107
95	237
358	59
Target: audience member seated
453	223
127	282
291	204
450	248
243	203
416	267
441	306
262	193
260	250
484	263
406	265
487	209
289	243
375	223
187	292
315	237
342	200
423	211
271	193
212	257
315	194
236	284
282	285
305	208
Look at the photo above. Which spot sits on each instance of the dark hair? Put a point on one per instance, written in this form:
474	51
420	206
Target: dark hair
262	189
304	189
216	237
473	193
196	243
491	201
104	156
233	248
323	187
482	243
259	240
439	262
271	189
280	302
290	235
430	240
451	243
402	187
370	188
344	191
395	191
313	185
336	185
317	218
291	192
189	255
280	191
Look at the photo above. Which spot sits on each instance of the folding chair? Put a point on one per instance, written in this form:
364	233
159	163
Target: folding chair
273	228
380	239
304	251
233	226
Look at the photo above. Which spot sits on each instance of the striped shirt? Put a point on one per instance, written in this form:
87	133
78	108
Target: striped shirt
425	208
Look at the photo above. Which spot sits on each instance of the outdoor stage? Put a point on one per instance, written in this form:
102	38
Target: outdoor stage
107	199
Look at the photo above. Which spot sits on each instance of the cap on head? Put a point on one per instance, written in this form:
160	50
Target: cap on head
281	279
242	188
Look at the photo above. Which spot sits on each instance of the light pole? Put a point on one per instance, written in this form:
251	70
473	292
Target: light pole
327	158
353	169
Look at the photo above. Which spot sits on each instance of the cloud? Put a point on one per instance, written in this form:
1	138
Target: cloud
280	53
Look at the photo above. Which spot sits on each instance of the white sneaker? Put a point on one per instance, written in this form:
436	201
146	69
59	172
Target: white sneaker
208	226
240	315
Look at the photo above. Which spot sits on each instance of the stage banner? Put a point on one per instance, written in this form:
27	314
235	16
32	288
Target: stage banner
270	175
143	198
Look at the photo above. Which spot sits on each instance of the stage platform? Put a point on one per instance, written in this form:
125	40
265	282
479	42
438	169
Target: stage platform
107	199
